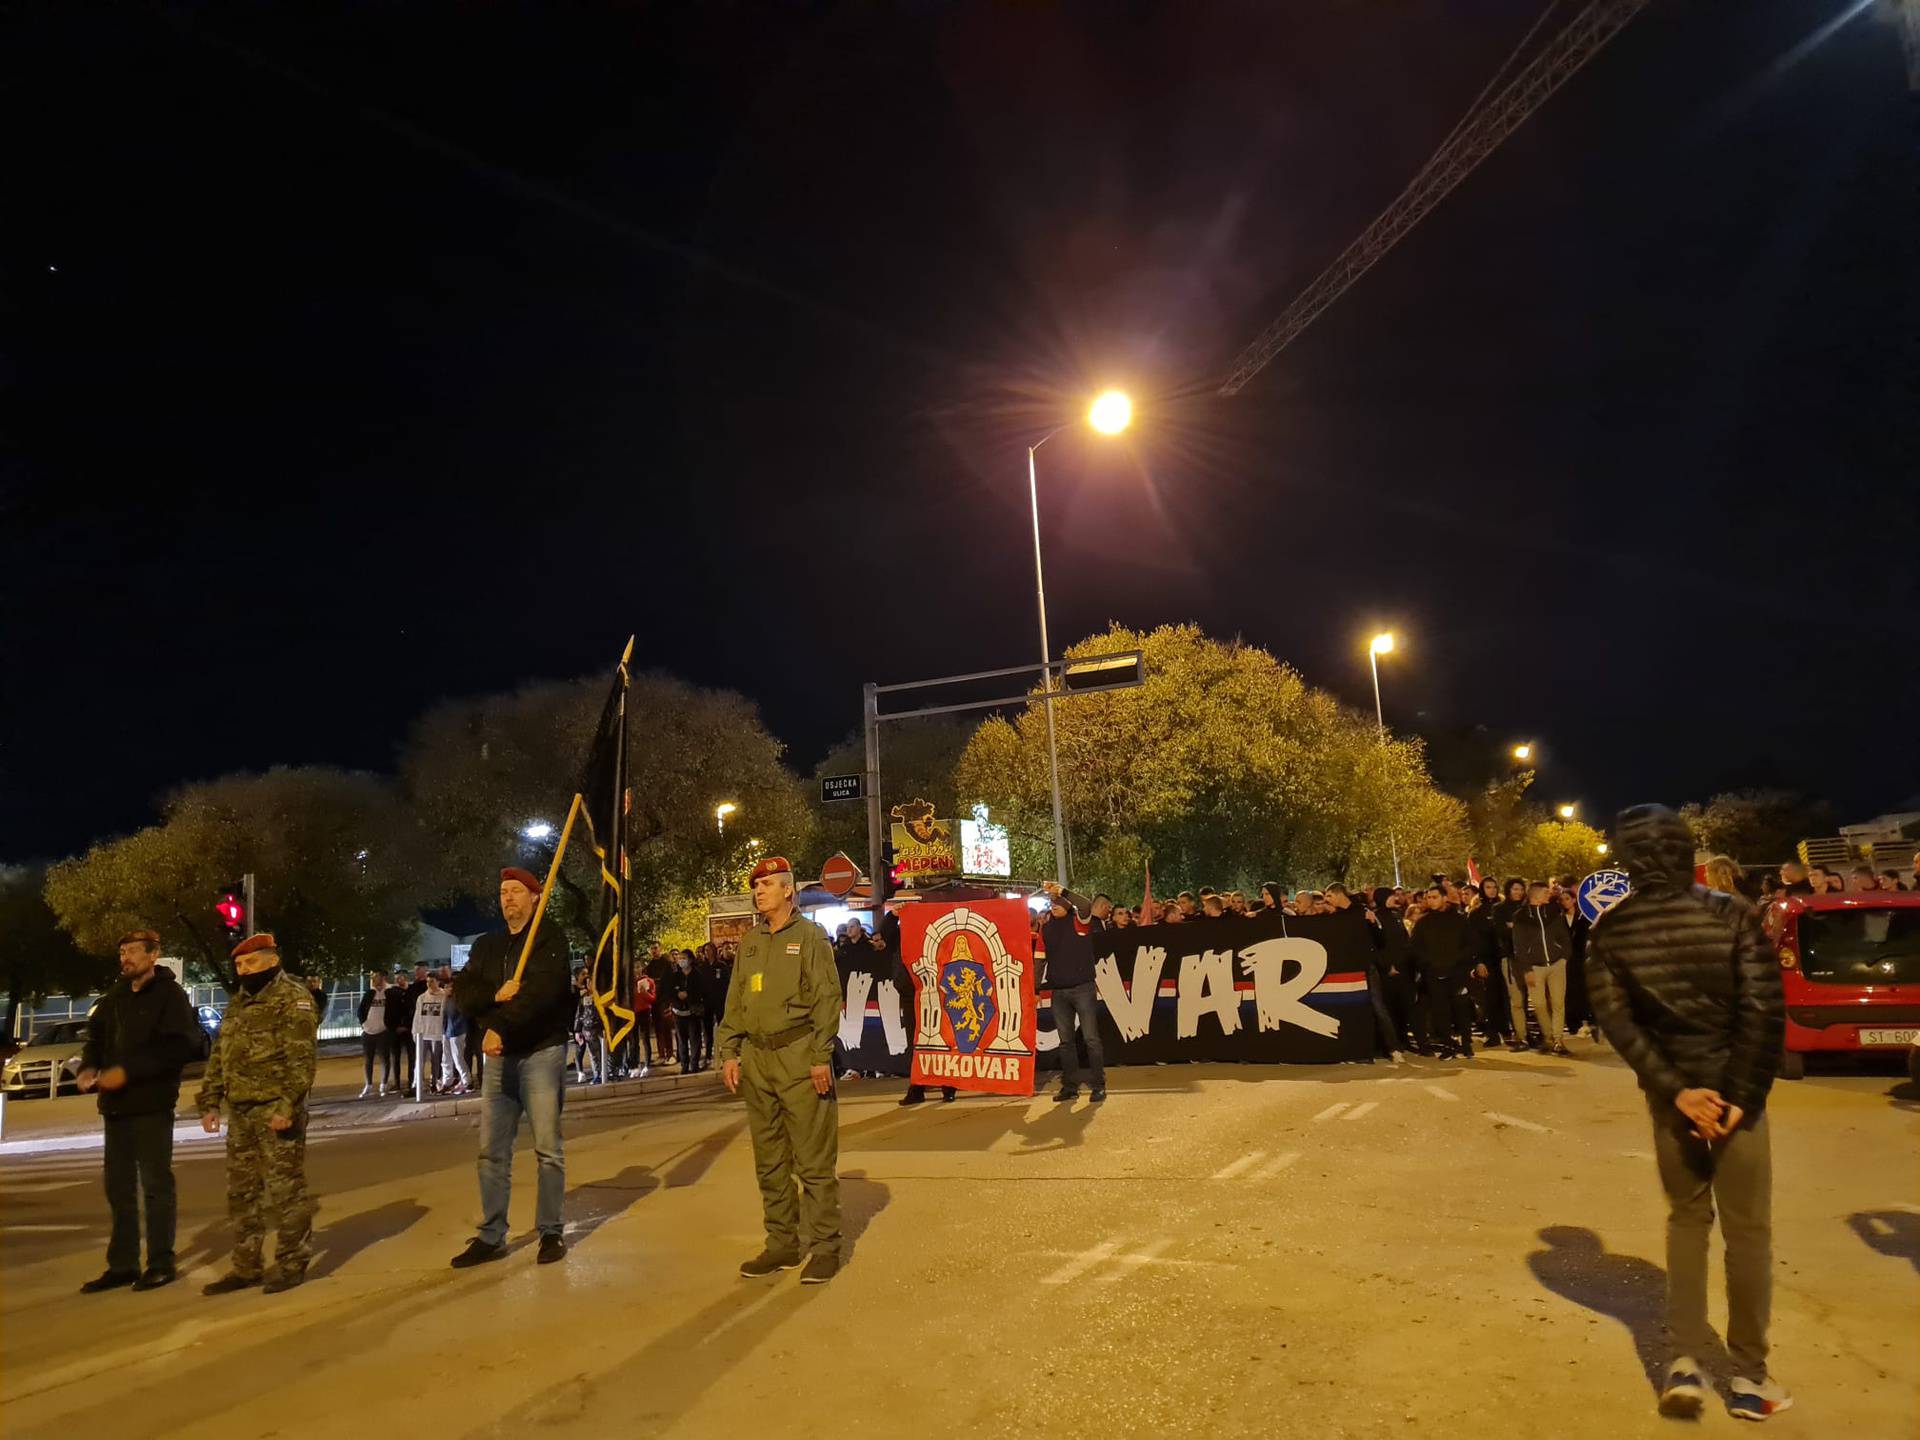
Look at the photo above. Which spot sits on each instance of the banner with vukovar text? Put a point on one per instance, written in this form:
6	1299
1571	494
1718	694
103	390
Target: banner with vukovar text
1202	990
974	1015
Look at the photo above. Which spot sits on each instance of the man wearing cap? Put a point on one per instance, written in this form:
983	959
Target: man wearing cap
525	1014
776	1052
139	1038
261	1070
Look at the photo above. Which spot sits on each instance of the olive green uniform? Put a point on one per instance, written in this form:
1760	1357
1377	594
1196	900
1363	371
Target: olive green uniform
783	1011
261	1066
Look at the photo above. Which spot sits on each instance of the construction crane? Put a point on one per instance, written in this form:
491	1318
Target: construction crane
1478	135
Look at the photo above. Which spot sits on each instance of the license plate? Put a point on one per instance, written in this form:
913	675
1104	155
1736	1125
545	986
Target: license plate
1889	1037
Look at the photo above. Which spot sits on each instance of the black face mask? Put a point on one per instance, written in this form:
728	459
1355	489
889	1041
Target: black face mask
253	984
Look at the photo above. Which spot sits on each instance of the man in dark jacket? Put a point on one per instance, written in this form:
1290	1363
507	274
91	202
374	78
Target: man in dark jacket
1393	966
1542	945
1075	1005
525	1019
1440	959
139	1038
1687	989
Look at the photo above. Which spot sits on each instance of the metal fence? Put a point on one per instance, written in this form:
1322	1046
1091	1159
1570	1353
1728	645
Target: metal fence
339	1019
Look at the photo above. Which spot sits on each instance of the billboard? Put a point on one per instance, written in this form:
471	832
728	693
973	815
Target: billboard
984	849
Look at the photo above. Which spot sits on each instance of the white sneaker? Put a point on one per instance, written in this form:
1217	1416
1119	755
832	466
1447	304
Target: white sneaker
1685	1393
365	1090
1756	1399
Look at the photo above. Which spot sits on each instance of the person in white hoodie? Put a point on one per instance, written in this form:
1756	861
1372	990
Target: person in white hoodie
376	1041
430	1035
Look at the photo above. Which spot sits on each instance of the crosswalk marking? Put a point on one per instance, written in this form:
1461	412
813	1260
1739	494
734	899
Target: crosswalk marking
1274	1166
1516	1122
1441	1092
1361	1109
1252	1158
1081	1263
1123	1263
1330	1111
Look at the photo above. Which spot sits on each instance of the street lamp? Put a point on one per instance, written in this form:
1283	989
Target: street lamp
537	830
1110	413
720	813
1567	812
1601	848
1523	752
1382	644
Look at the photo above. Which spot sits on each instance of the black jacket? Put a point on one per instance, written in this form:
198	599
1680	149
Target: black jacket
1483	940
539	1016
151	1033
1069	953
1541	936
1440	943
1393	947
1682	978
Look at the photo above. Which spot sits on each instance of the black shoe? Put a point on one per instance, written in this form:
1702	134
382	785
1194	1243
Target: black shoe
820	1269
1099	1094
229	1283
552	1248
292	1280
912	1097
948	1095
1466	1053
767	1263
478	1252
110	1280
155	1276
1065	1097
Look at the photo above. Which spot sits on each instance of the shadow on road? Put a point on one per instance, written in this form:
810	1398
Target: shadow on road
349	1235
1577	1266
693	1163
590	1205
1893	1233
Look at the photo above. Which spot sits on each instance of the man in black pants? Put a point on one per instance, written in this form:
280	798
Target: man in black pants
1075	1004
1440	957
139	1038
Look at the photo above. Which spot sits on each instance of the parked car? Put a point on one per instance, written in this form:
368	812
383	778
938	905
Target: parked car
29	1071
1850	965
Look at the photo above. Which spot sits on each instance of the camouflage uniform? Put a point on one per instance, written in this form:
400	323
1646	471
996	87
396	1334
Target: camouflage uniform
262	1065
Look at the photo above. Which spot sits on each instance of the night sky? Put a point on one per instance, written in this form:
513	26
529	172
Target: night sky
359	355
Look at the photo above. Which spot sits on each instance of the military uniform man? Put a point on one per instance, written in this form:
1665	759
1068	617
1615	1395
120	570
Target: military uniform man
776	1052
261	1070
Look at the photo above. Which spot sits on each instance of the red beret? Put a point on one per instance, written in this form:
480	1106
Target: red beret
772	865
253	944
149	938
525	877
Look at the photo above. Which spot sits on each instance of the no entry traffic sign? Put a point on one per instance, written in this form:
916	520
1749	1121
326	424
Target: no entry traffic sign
838	874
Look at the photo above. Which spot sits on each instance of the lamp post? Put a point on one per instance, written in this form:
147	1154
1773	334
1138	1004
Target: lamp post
720	813
1382	644
1110	413
1523	752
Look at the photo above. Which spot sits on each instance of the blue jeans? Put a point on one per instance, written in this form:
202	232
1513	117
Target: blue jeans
512	1084
1078	1008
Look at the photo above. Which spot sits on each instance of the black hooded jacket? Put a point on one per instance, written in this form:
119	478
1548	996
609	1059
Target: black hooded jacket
1682	978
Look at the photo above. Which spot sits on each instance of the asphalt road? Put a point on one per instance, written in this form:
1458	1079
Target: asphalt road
1364	1251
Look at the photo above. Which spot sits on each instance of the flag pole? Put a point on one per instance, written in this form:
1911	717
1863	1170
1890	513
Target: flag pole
553	874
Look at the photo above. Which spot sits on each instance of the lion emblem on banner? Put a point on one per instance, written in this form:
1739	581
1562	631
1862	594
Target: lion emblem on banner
966	994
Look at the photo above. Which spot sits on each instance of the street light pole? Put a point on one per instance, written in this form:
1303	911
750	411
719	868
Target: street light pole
1380	643
1046	665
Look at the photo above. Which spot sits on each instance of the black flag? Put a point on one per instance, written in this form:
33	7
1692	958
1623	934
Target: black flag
603	790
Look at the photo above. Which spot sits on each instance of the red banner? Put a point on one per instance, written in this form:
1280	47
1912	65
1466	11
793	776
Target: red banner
974	1011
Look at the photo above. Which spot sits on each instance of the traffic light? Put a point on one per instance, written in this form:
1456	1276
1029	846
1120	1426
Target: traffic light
230	905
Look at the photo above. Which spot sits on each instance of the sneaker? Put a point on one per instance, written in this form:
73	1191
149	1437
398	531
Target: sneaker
1065	1097
109	1280
1685	1391
280	1284
1517	1045
768	1263
912	1097
478	1252
948	1095
552	1248
1756	1399
1466	1052
229	1283
365	1090
820	1269
1561	1048
155	1276
1099	1094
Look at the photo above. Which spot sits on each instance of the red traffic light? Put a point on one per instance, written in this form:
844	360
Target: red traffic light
230	911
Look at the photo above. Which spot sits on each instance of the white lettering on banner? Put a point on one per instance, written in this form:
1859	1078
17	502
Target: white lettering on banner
853	1008
1206	986
1278	997
944	1065
1131	1008
893	1021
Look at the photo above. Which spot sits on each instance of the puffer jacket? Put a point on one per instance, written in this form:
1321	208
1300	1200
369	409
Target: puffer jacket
1682	978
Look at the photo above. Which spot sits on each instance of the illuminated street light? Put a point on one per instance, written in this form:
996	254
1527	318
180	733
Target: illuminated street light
720	813
1566	812
1110	413
537	830
1523	751
1601	848
1382	644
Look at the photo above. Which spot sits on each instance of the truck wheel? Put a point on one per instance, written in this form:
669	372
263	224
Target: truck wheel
1793	1065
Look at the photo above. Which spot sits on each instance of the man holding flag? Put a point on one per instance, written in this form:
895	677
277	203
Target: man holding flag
517	989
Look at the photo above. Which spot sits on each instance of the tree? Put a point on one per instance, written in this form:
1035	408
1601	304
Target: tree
917	762
1758	827
335	862
37	957
477	772
1555	848
1224	768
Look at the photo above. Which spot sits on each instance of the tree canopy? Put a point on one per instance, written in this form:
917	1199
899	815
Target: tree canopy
918	758
38	957
1757	827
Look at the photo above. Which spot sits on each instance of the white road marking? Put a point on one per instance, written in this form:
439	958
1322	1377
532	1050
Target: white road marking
1079	1265
80	1177
1330	1112
1441	1092
38	1229
1516	1122
1361	1109
1227	1172
1274	1166
1138	1257
1879	1226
